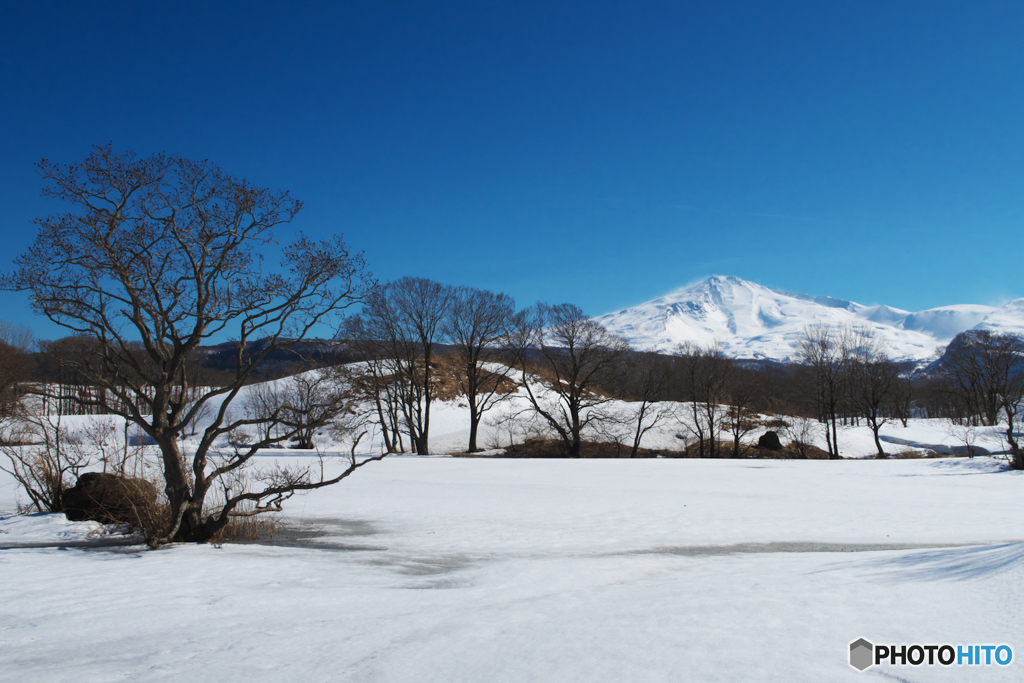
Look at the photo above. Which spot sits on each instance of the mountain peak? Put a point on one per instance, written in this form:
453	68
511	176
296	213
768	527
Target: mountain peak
750	320
718	282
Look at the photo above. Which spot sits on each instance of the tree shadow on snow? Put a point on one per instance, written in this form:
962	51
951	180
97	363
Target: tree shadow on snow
953	564
961	467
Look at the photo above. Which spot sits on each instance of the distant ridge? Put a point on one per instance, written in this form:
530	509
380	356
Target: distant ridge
753	321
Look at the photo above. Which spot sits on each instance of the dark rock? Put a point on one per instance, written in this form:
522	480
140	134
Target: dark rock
769	441
110	499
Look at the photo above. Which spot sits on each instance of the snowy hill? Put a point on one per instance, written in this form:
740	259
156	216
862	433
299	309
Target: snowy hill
752	321
1007	319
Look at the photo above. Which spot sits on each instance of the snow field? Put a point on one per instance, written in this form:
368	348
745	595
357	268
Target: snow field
469	569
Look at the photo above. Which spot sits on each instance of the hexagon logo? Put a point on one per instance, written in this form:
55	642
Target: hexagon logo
862	654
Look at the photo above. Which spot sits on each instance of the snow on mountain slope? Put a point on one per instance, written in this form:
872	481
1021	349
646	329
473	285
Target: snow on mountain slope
752	321
946	322
1007	319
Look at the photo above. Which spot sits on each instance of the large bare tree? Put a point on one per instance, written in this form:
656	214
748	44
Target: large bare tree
578	358
155	256
380	381
873	383
478	325
745	390
645	382
825	352
401	326
704	373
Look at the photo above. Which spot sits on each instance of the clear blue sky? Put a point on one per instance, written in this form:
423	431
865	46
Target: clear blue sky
593	152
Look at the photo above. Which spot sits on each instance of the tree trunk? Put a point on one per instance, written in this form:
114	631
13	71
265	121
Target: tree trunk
384	427
1017	461
574	446
183	504
835	438
304	440
637	438
639	435
474	423
176	480
875	428
574	418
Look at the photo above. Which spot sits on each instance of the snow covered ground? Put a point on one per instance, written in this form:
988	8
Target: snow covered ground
474	569
469	569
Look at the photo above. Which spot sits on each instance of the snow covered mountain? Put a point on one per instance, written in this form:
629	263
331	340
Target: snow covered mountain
751	321
1007	319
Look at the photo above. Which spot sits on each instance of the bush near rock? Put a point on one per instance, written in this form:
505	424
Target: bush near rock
110	499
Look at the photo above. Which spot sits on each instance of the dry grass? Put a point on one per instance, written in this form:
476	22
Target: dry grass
248	529
553	448
447	372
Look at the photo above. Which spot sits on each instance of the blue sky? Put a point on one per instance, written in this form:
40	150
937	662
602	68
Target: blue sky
598	153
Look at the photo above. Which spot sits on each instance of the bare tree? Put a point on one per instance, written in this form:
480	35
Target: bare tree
976	369
302	404
478	325
156	256
401	325
44	460
354	422
743	391
799	433
705	374
967	434
515	424
904	392
63	381
380	383
985	372
646	381
575	357
825	351
873	383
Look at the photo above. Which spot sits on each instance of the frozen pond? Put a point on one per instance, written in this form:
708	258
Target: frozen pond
447	569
